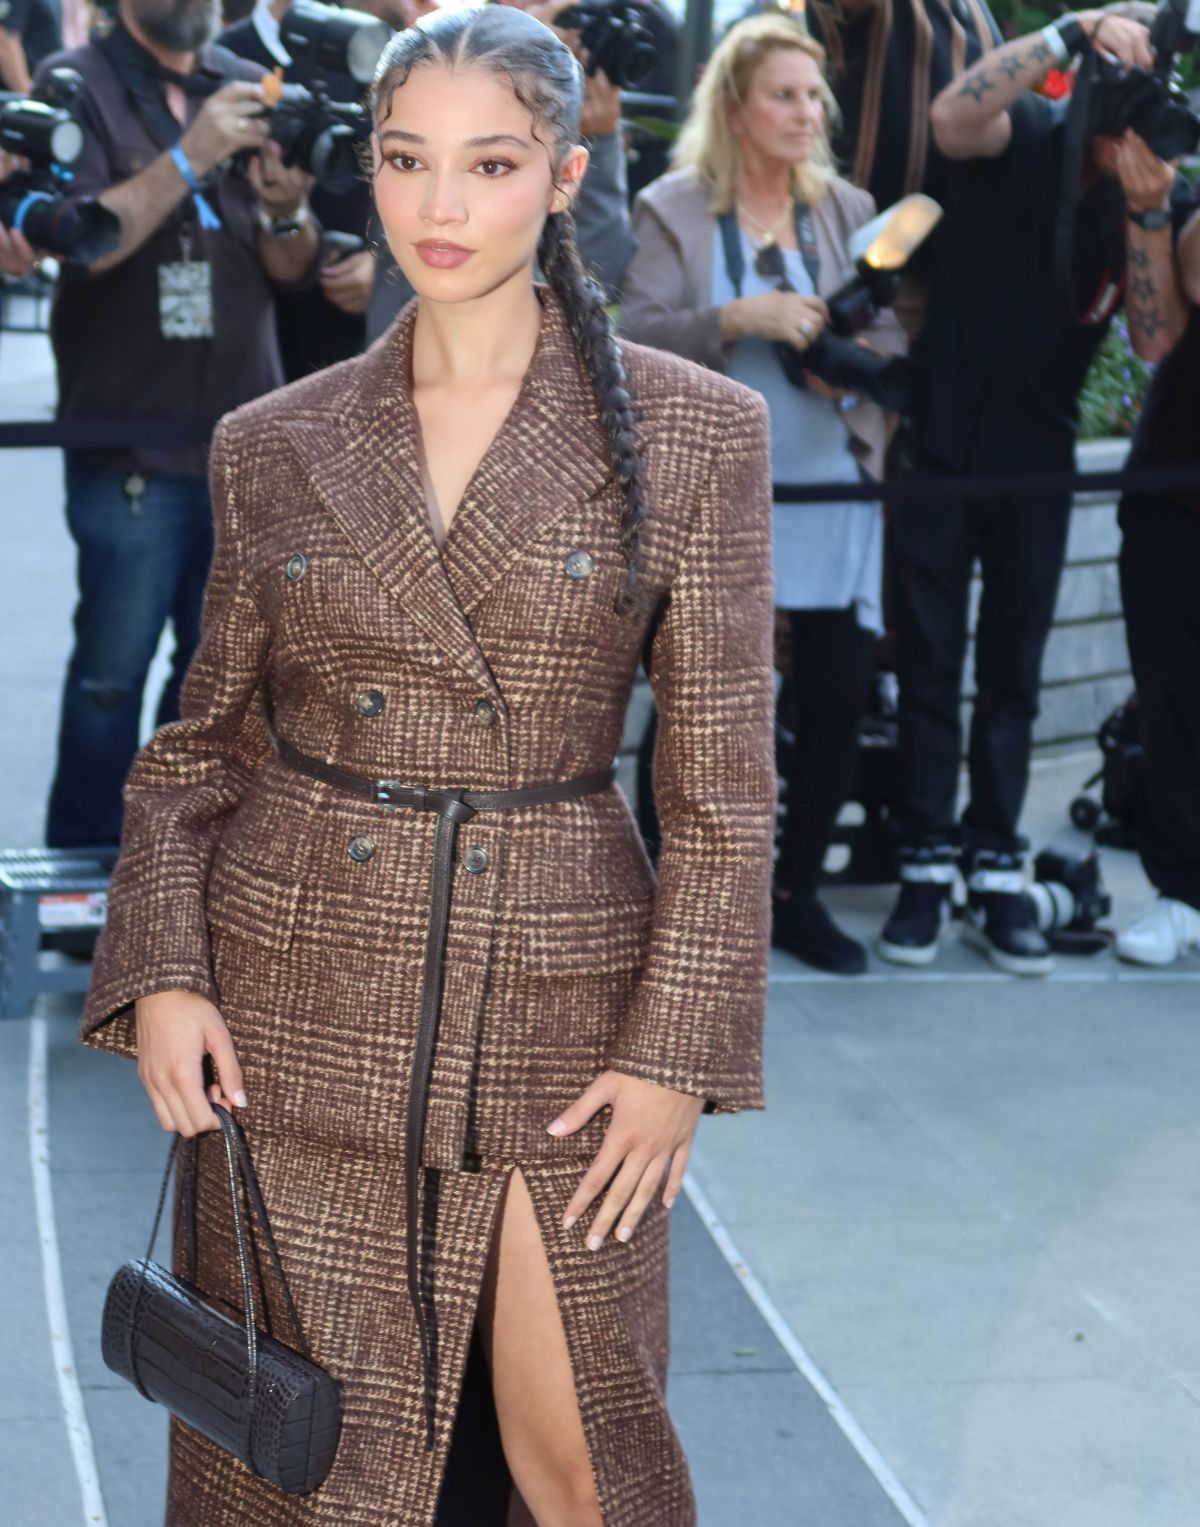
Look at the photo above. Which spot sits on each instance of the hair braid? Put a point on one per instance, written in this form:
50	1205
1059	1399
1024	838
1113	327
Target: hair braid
586	313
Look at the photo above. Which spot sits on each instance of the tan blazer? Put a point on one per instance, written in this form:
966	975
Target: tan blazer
667	293
301	912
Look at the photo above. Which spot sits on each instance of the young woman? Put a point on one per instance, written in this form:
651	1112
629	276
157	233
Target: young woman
438	566
754	182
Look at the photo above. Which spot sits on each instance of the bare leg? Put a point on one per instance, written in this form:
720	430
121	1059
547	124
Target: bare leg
534	1388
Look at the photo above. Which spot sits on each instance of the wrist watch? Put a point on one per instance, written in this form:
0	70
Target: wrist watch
285	227
1153	220
1065	38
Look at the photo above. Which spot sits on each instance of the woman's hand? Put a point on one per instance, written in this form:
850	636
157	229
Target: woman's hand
175	1030
788	316
347	282
650	1130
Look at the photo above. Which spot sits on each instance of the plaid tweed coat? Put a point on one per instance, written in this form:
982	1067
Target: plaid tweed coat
567	953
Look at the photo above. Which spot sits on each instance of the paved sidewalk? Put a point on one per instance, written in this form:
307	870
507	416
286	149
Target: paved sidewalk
970	1215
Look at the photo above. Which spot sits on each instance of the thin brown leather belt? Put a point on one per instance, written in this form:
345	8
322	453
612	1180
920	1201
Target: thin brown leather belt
452	808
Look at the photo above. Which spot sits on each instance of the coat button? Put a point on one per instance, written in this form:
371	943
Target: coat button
484	711
475	860
579	563
368	702
360	849
296	567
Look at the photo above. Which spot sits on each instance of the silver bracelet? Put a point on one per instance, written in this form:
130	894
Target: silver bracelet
1052	37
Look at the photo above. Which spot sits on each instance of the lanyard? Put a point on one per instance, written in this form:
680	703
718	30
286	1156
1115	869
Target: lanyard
735	260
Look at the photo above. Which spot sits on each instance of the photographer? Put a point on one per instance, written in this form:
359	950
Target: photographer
755	186
175	324
1160	553
1000	367
326	322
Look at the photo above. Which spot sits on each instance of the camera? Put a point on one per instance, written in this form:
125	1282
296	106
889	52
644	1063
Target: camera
879	251
320	135
36	201
1150	102
615	37
1068	898
1155	108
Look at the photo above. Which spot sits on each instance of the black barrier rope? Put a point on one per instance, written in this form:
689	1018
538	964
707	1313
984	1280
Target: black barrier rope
118	434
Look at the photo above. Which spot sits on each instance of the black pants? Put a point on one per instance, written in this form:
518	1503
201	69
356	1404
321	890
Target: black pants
833	662
1020	544
1160	591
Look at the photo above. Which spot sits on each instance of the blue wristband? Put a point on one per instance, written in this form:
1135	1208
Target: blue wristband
208	218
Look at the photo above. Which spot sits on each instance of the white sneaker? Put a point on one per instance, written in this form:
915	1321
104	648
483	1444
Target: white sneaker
1164	932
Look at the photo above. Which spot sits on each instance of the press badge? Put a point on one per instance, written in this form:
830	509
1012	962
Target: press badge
185	300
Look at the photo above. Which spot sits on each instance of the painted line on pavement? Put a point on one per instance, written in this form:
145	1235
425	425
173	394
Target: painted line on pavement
800	1356
984	977
61	1348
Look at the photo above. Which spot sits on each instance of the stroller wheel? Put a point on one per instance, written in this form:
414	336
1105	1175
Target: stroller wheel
1085	813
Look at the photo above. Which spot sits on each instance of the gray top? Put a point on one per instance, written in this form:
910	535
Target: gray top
827	556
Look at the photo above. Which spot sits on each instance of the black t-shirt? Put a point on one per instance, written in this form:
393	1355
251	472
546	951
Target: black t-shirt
1168	432
1002	359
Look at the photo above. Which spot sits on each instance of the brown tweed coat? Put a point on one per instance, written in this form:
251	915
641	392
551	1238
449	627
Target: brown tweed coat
567	953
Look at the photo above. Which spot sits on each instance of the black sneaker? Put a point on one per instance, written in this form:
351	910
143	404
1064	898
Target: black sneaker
1000	919
801	926
910	935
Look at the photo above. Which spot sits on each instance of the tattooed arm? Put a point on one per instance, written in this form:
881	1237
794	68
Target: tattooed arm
1154	302
970	117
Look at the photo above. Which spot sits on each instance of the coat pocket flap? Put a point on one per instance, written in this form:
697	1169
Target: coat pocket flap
586	938
251	902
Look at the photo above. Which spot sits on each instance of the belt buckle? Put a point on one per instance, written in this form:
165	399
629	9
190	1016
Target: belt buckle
385	789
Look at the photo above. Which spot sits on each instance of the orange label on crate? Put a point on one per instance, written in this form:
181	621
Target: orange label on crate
74	909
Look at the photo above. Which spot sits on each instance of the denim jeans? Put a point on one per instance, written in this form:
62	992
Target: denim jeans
139	565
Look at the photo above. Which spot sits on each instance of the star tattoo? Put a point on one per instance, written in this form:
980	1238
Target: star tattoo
1011	67
1040	53
977	86
1149	320
1142	288
1140	258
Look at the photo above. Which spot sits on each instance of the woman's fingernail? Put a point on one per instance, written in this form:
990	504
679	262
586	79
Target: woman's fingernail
239	1098
624	1233
669	1201
557	1128
569	1220
595	1242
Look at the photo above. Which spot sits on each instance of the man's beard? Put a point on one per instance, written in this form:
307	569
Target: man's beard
181	25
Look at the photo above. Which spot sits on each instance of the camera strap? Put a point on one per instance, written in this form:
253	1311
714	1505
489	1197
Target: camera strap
735	259
1075	134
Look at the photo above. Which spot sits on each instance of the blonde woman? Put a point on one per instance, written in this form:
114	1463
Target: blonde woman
755	197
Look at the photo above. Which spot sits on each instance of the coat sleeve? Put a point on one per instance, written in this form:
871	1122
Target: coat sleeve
696	1018
653	308
182	786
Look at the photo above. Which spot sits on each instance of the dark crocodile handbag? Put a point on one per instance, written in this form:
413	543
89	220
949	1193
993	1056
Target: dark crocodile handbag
269	1405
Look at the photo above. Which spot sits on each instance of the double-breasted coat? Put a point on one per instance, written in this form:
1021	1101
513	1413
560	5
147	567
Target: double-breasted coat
301	911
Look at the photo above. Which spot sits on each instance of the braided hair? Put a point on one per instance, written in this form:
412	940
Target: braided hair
547	79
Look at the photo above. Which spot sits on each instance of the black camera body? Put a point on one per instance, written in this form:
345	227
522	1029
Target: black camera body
1153	106
1069	898
615	37
838	361
320	135
36	201
1149	101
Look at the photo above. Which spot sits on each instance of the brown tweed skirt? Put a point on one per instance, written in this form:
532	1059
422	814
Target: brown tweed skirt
346	1269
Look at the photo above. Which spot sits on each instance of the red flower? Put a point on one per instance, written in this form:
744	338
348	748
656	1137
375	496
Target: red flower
1058	83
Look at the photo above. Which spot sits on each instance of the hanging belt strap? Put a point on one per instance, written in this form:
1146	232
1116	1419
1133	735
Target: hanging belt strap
452	807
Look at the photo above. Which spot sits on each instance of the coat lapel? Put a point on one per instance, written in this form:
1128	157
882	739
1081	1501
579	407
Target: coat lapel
548	456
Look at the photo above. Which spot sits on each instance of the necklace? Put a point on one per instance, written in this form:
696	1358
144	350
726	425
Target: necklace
768	232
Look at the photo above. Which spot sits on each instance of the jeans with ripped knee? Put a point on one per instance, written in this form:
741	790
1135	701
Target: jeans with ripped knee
143	561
